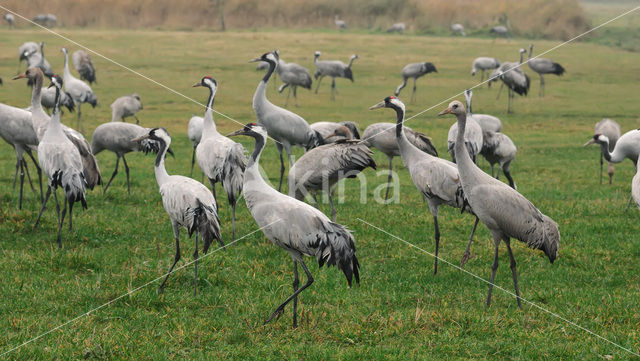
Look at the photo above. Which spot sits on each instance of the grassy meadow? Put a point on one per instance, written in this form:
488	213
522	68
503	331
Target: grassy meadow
400	310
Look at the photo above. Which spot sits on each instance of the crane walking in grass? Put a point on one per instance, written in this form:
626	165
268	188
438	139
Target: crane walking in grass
334	69
611	129
507	213
188	203
295	226
414	70
543	66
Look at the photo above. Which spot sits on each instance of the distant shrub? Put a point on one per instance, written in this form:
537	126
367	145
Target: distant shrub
559	19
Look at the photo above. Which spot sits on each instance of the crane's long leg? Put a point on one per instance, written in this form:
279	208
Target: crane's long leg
601	166
115	171
195	265
35	163
296	283
437	235
386	195
333	88
71	215
628	203
413	94
333	209
500	90
193	161
507	173
126	170
233	220
467	252
541	85
64	212
280	308
21	183
295	95
44	206
15	175
213	191
137	120
279	148
513	272
481	76
494	268
610	170
492	173
318	85
176	234
81	128
26	169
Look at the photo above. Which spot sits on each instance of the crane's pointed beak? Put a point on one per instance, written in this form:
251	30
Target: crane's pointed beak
196	85
379	105
255	60
21	76
591	141
446	111
142	137
171	152
237	132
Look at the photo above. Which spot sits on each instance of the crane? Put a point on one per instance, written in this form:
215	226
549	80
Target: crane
285	127
219	157
126	106
295	226
340	24
506	213
9	19
84	66
397	28
436	179
188	203
611	129
24	50
324	166
194	132
484	64
499	148
458	29
80	92
334	69
381	136
48	96
62	164
292	76
472	138
543	66
515	79
414	70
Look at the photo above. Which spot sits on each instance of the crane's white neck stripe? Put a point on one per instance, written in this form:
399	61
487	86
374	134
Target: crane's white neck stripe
500	288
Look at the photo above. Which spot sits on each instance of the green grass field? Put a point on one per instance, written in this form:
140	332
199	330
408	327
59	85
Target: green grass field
400	310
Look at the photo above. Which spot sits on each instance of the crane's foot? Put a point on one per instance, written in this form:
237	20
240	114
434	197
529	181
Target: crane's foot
276	314
465	257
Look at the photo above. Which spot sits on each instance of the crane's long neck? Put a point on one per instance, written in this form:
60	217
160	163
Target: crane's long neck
467	97
209	127
351	61
161	172
465	164
36	93
605	150
66	73
403	142
315	59
260	96
41	53
530	51
252	177
521	56
54	125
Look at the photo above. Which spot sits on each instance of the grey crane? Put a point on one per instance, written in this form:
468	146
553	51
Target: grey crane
382	137
10	19
543	66
116	137
324	166
62	164
499	148
84	66
16	129
220	158
472	138
80	91
458	29
326	129
126	106
436	179
627	146
487	122
295	226
194	132
501	30
332	68
188	203
611	129
48	96
47	20
24	50
397	28
506	213
40	122
484	64
514	79
292	76
340	24
414	70
285	127
635	185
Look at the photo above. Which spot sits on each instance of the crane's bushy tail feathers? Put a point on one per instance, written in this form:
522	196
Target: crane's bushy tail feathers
348	74
205	221
558	69
339	249
425	144
233	172
90	168
315	140
306	82
73	184
545	236
149	146
68	103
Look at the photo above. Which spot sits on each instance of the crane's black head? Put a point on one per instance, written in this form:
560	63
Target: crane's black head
429	68
56	80
64	50
207	81
254	130
389	102
271	58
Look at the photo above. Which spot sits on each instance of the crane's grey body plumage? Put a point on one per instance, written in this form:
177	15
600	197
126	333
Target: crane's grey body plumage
472	138
10	19
325	129
484	64
514	79
48	96
332	68
285	127
487	122
458	29
499	148
506	213
397	28
80	91
295	226
414	70
543	66
437	179
126	106
84	66
611	129
24	50
292	76
635	185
